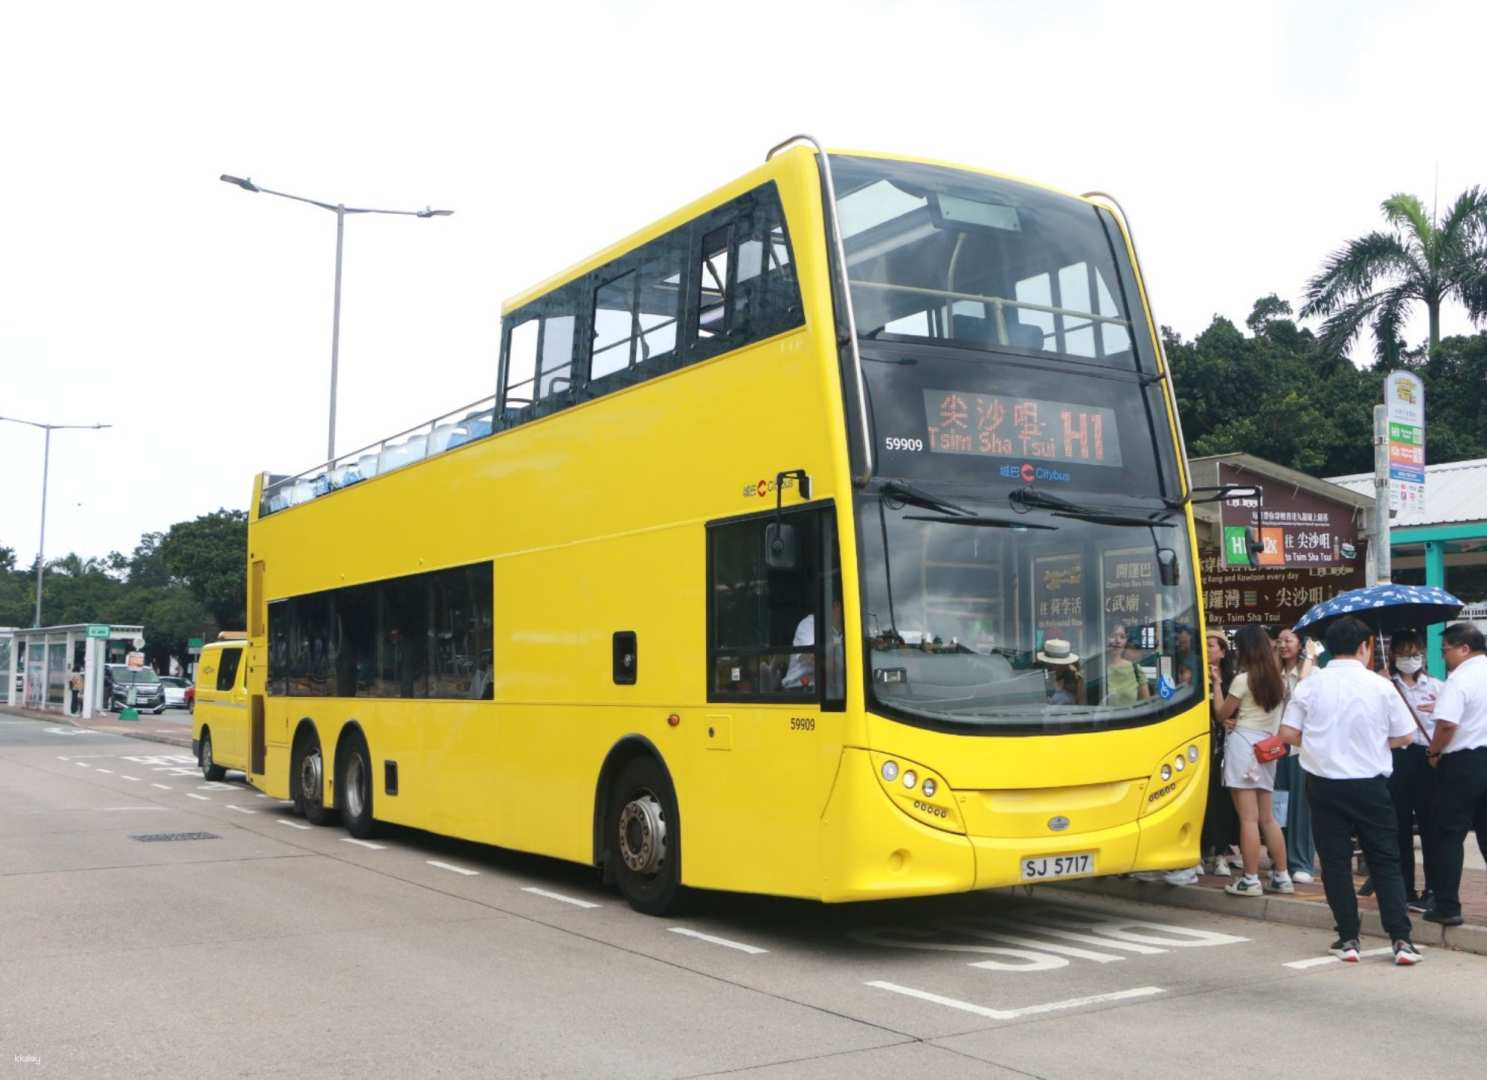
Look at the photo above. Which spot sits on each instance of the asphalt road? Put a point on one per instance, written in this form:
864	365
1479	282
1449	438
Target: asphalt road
270	948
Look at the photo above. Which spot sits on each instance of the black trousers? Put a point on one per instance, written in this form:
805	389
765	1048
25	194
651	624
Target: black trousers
1340	808
1461	805
1412	787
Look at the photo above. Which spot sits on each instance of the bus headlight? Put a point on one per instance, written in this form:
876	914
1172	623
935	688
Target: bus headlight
1181	763
890	770
1193	754
919	792
930	787
910	778
1166	773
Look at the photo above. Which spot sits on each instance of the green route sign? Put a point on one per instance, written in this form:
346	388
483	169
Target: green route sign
99	631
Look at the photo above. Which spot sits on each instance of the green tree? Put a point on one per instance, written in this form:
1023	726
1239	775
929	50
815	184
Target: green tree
1375	279
210	556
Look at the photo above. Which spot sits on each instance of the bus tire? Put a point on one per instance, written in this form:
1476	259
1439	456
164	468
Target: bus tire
354	787
307	778
209	768
643	838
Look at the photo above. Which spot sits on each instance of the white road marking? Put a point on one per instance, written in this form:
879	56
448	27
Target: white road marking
100	768
261	795
162	787
752	950
1013	1014
61	757
452	869
241	809
1318	961
559	896
972	930
193	795
123	808
363	843
82	765
294	824
125	776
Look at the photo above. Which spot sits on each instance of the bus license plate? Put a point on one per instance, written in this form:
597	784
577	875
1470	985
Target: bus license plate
1045	867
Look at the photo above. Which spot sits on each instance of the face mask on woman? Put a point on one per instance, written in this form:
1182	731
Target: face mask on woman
1409	665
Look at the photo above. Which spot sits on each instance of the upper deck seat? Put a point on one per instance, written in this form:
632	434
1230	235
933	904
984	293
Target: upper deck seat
366	465
439	439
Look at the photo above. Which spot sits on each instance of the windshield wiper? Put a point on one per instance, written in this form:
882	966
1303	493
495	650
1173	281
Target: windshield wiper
984	522
904	492
1025	499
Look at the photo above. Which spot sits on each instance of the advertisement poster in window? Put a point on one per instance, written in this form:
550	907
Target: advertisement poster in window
1128	597
1058	600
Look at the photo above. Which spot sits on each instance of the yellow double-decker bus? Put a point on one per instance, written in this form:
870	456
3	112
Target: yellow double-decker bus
828	538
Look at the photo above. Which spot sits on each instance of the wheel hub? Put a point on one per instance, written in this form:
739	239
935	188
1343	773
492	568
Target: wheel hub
356	778
310	773
642	834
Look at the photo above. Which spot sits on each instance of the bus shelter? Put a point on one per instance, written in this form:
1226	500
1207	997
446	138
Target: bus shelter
43	659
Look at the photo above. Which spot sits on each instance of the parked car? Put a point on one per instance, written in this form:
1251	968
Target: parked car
120	679
177	692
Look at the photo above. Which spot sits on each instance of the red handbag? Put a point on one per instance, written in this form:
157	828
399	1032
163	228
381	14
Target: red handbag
1271	748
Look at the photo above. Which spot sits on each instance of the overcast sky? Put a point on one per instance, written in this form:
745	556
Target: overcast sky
137	290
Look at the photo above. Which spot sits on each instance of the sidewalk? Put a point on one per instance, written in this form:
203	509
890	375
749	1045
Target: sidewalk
172	726
1309	906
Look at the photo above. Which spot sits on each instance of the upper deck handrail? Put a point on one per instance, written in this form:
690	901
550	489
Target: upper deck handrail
327	471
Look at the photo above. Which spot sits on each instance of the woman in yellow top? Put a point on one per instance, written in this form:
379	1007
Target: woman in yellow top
1251	711
1124	683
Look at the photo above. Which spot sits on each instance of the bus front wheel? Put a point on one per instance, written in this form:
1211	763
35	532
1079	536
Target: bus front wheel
308	776
644	838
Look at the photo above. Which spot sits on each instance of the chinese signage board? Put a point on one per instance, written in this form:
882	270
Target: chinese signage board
1296	527
1404	397
98	631
1265	596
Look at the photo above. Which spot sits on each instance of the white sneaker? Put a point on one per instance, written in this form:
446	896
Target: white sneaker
1245	887
1221	867
1302	877
1280	884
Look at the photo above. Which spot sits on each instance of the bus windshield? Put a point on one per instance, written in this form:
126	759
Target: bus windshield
985	615
943	255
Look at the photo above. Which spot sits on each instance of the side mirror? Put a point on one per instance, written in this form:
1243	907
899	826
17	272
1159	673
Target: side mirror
1167	568
781	546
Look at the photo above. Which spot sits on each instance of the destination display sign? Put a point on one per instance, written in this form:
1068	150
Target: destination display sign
1028	429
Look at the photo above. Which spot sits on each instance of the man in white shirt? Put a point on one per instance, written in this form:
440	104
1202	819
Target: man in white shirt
800	674
1412	786
1458	750
1346	719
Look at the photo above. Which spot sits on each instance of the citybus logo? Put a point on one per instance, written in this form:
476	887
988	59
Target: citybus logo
763	488
1027	472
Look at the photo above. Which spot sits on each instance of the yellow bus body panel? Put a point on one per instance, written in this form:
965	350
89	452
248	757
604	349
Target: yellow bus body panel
594	519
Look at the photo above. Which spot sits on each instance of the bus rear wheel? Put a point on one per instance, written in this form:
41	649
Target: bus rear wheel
308	778
644	839
354	787
209	768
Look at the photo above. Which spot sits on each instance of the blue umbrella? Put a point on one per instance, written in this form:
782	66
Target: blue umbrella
1385	607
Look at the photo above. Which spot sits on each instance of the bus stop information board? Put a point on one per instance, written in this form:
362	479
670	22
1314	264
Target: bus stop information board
1404	397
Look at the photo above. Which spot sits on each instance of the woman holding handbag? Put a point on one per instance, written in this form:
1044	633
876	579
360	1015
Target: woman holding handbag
1251	713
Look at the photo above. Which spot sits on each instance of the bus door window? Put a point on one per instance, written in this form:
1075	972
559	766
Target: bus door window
773	628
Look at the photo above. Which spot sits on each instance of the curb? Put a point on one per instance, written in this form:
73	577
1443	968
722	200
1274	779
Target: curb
67	721
1313	915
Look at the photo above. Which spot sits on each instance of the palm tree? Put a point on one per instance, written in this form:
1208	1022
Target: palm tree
1376	278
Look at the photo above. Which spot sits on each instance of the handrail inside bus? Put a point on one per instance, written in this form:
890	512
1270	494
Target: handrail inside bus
841	262
1000	301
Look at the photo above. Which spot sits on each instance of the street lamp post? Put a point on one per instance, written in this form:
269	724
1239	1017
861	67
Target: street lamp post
340	210
46	461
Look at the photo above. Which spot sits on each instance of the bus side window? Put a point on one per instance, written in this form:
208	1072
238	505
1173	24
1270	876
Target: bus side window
714	285
521	364
765	623
227	671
